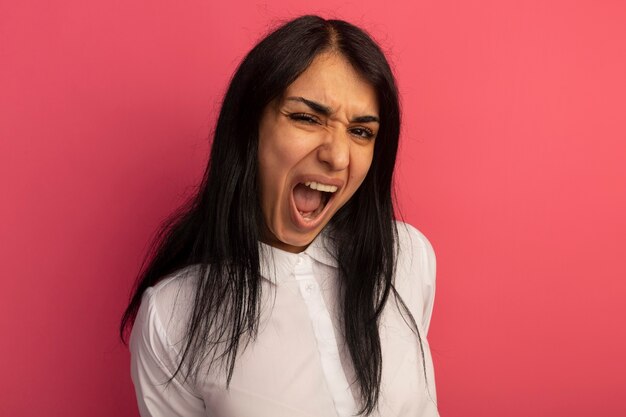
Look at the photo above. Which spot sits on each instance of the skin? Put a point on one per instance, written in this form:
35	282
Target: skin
323	126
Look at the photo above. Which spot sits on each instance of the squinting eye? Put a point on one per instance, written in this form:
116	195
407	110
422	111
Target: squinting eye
303	117
362	132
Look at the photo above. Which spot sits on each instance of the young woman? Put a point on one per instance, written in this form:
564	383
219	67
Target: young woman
285	287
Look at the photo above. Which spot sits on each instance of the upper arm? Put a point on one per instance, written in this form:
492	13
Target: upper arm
427	271
419	259
153	362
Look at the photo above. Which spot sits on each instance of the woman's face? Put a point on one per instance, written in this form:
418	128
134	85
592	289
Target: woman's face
316	144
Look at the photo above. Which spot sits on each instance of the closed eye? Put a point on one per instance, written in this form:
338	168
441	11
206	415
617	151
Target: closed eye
305	118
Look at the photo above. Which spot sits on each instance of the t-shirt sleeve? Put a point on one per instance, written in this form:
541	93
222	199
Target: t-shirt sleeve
424	268
153	362
428	272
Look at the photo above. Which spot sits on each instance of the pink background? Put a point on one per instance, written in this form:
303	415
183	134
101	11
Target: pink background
513	163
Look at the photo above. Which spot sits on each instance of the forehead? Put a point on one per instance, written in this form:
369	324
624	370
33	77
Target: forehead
331	80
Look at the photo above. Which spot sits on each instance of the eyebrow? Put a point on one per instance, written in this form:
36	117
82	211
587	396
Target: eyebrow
327	111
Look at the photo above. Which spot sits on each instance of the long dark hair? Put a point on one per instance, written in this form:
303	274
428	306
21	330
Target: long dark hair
219	228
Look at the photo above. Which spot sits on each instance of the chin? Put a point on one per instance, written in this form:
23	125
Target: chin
297	238
292	240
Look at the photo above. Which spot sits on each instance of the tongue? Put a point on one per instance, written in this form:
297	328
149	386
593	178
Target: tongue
306	199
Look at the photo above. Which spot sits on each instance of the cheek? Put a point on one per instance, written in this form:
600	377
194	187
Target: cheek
277	157
275	162
361	163
359	167
276	144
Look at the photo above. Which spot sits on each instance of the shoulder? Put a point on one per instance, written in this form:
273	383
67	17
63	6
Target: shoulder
416	272
177	286
155	346
167	305
413	246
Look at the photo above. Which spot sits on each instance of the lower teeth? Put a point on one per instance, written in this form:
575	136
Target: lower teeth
309	215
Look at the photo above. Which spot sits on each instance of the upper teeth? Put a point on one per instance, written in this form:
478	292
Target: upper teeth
321	187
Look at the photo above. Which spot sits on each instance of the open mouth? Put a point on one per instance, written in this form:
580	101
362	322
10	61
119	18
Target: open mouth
311	198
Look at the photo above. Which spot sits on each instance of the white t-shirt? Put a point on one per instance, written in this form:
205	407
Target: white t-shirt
299	365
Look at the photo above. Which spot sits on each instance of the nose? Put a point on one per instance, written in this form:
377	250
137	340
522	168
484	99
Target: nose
334	152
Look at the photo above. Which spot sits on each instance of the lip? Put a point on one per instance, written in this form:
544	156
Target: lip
307	226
